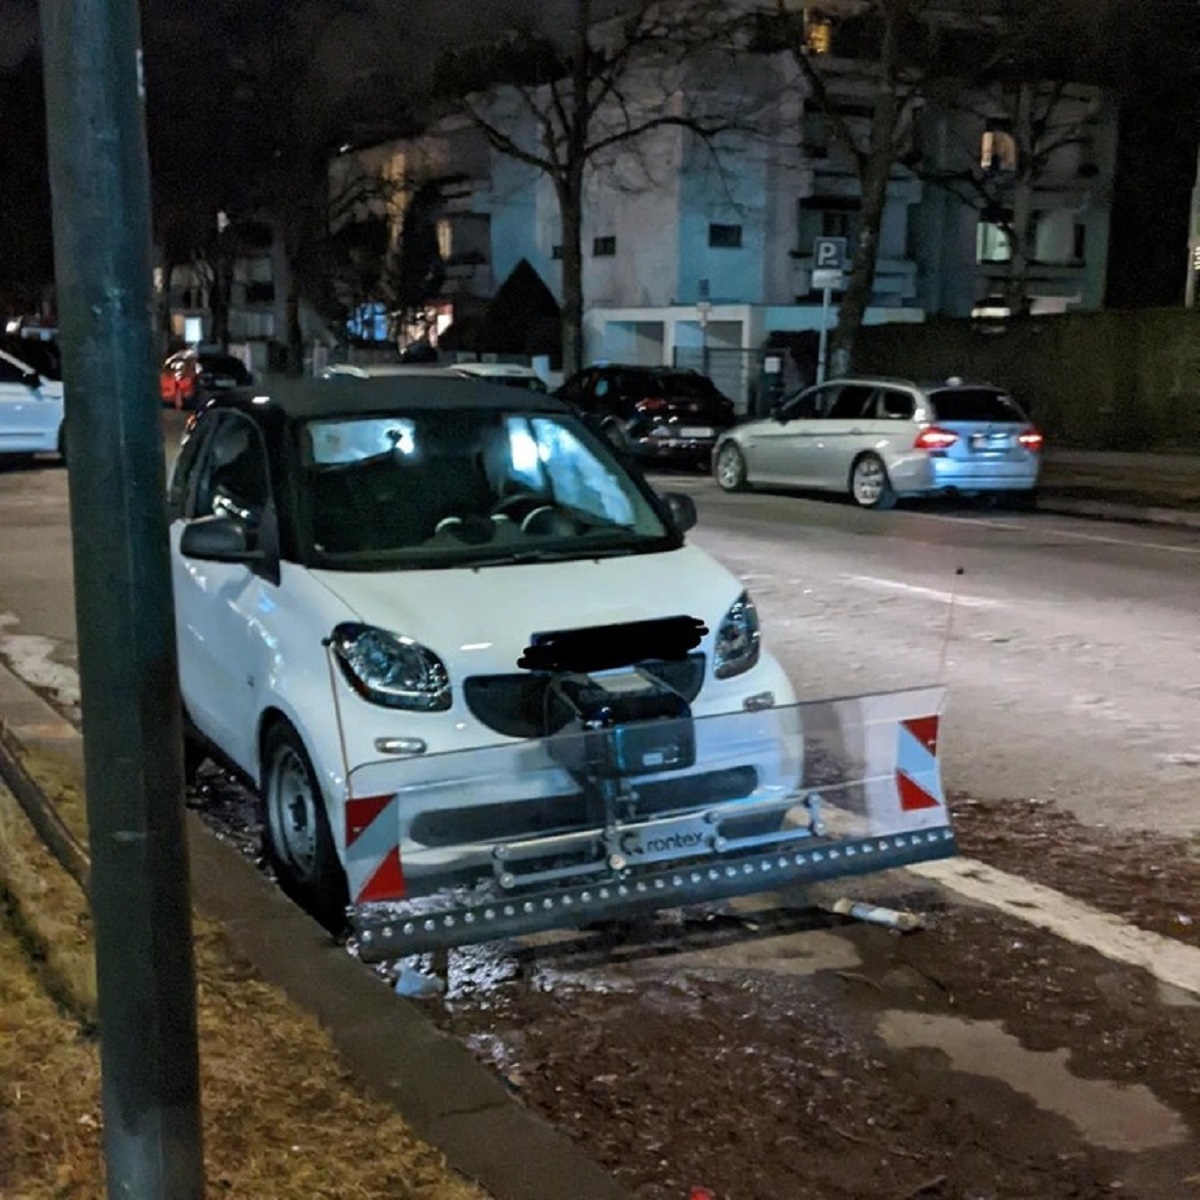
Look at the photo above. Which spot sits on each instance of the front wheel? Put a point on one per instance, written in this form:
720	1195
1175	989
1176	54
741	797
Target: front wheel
731	468
297	839
869	483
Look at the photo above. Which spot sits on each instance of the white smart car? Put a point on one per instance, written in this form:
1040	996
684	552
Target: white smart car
372	574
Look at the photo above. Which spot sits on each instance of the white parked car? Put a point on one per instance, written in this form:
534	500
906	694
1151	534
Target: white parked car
370	572
31	407
878	439
506	374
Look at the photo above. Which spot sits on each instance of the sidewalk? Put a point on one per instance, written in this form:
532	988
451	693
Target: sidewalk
1157	488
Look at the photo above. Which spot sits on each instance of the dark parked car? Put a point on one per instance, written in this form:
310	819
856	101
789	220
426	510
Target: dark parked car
656	413
188	379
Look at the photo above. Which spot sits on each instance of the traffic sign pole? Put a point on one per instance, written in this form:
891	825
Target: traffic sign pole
826	297
829	260
140	898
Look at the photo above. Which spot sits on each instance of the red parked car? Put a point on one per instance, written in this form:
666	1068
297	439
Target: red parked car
190	377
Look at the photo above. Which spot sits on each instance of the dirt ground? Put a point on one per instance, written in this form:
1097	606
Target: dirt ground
786	1055
677	1069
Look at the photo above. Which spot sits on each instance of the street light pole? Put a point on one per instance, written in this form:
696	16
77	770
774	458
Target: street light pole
140	898
1193	274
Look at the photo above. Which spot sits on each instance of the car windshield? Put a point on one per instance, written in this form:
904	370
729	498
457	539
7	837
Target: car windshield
975	404
225	364
42	356
676	384
466	487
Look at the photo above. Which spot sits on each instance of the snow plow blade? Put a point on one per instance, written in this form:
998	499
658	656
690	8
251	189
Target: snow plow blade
580	827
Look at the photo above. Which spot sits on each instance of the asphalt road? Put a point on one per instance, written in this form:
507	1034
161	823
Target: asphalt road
1071	649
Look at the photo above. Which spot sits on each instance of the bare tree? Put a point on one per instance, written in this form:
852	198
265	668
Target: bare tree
888	79
610	86
1029	128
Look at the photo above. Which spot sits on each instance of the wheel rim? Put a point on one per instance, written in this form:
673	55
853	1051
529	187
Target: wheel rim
729	467
869	481
292	812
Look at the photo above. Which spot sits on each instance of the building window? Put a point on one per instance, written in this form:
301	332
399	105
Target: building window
604	247
556	253
998	148
818	32
725	237
444	239
991	243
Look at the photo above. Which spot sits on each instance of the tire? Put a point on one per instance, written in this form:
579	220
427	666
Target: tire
62	444
869	483
1025	501
194	757
297	840
729	467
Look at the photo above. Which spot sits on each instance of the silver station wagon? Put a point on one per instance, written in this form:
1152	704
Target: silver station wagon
879	439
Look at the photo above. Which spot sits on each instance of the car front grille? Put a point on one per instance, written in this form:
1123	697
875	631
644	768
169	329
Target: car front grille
514	705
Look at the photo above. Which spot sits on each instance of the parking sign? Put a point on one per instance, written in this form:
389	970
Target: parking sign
829	261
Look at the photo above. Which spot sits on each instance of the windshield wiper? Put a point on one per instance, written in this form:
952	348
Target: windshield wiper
519	557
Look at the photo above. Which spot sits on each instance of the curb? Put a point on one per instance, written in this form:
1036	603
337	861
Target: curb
1107	510
387	1044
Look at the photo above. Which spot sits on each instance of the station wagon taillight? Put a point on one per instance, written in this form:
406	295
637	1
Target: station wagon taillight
1031	439
933	438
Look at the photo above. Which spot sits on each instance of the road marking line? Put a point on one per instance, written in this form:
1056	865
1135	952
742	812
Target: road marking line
924	592
1037	526
1072	920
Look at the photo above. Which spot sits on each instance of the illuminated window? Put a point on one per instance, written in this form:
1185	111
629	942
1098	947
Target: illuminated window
998	149
444	239
991	243
818	33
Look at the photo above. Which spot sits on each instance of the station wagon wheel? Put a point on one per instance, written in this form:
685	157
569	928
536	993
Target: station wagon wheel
297	840
869	483
731	468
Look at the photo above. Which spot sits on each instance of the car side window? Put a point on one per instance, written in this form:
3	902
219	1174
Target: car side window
894	405
234	479
804	405
183	477
854	401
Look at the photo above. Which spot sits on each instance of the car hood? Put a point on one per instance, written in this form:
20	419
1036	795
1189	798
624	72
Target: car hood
481	619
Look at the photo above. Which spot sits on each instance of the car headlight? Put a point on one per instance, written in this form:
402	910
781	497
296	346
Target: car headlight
738	641
391	670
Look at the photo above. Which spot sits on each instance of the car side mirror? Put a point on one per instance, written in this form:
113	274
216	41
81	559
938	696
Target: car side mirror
682	509
219	539
777	412
32	379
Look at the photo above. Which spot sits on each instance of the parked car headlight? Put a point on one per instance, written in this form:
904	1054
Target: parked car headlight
738	639
388	669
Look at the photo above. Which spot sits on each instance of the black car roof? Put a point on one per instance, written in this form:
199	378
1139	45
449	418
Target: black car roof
305	399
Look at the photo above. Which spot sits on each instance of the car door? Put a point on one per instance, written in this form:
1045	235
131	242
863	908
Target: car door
29	420
839	437
778	450
221	608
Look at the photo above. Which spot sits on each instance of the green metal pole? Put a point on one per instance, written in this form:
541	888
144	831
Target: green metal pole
141	910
